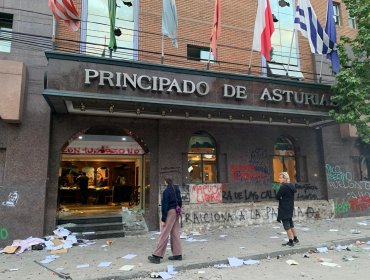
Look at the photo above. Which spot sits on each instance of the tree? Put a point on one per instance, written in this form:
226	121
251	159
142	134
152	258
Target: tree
352	87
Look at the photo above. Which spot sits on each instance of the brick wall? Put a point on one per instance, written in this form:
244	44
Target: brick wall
195	24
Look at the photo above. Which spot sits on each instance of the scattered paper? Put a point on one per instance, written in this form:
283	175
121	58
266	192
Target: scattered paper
355	231
333	229
201	272
129	256
330	264
10	249
222	265
171	270
348	258
223	235
127	267
61	231
292	262
274	237
195	233
251	262
60	251
362	223
165	275
49	259
276	227
183	236
88	233
324	260
104	264
82	265
235	261
190	239
322	249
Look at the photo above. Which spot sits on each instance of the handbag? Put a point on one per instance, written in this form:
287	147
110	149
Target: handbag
178	208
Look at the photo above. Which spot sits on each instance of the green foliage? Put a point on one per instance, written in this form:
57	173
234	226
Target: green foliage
352	86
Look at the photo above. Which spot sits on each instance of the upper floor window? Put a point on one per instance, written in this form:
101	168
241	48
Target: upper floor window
95	29
202	159
284	159
199	53
6	27
352	21
284	43
336	15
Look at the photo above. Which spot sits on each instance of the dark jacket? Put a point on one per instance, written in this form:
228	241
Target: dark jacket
285	195
169	198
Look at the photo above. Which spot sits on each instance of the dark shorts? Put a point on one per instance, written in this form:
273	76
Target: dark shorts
288	223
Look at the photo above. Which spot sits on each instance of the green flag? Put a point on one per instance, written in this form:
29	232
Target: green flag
112	18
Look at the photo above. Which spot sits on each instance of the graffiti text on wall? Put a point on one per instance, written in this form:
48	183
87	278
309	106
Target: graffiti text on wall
339	179
205	193
3	233
246	195
255	171
266	213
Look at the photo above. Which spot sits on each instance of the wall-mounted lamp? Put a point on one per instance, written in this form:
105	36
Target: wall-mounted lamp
307	122
82	107
186	114
270	120
250	118
111	109
163	113
209	116
289	121
230	117
138	111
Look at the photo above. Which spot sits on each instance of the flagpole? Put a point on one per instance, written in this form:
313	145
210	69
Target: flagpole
250	62
290	52
320	78
162	54
209	57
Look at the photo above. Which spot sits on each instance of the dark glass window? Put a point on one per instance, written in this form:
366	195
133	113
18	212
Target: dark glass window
6	27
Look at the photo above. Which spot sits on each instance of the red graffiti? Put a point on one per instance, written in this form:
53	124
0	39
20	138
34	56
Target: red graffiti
249	172
207	193
360	203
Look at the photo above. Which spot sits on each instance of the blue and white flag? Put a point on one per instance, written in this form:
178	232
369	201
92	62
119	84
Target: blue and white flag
169	21
307	22
332	33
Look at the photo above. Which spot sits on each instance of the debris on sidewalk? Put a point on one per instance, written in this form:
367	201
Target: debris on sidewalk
292	262
126	267
233	261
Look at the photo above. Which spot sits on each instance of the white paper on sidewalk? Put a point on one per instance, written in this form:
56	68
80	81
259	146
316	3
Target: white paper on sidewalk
61	231
171	269
127	267
82	265
330	264
274	237
251	262
129	256
362	223
333	229
292	262
322	249
165	275
223	235
190	239
104	264
235	261
49	259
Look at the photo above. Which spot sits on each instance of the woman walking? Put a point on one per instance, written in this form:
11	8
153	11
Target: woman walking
171	210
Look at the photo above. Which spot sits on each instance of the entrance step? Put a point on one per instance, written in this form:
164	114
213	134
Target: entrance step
94	227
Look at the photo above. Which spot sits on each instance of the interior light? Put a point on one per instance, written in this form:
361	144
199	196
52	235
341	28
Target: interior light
123	138
208	156
80	137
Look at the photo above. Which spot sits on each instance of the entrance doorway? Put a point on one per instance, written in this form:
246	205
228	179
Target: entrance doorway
102	171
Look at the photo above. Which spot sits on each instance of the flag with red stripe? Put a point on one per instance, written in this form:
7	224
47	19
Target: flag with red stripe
65	10
216	30
263	29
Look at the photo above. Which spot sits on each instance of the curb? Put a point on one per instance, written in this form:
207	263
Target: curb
274	254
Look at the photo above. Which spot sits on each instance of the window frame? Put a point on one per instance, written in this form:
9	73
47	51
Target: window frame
336	13
6	24
198	53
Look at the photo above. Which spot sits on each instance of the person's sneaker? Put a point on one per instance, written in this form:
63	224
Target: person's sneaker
295	240
290	244
175	258
154	259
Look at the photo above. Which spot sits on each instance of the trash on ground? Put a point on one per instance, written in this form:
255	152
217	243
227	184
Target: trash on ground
165	275
85	265
251	262
127	267
322	249
355	231
129	256
49	259
330	264
292	262
348	258
222	265
104	264
233	261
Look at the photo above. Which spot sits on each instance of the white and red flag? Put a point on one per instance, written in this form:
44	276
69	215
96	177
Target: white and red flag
263	29
65	10
216	30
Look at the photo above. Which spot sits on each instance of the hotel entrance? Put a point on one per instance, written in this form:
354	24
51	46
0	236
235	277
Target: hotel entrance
102	171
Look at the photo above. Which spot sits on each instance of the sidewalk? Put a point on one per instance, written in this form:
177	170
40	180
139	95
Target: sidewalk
252	242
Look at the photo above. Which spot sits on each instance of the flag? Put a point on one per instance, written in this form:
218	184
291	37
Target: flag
216	30
263	29
65	10
306	21
112	19
169	21
332	33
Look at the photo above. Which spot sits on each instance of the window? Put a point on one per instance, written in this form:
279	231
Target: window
6	27
284	43
361	163
199	53
95	29
336	10
284	159
202	159
351	21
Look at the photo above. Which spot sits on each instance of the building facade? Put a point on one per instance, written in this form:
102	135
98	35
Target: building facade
222	128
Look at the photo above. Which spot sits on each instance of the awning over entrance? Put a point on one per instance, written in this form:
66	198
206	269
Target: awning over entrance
98	86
